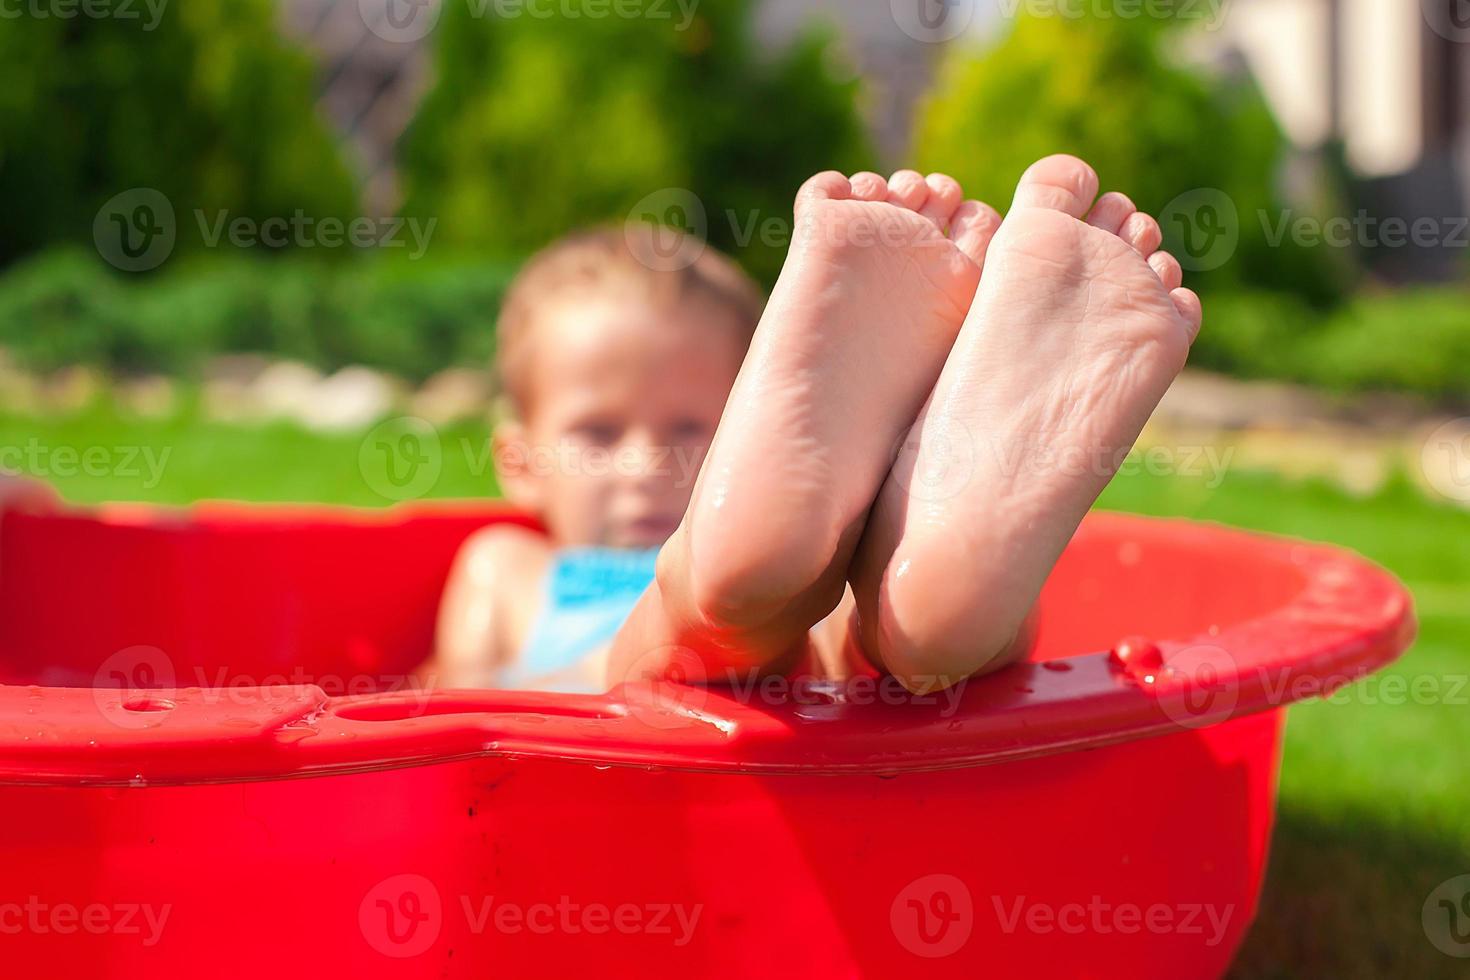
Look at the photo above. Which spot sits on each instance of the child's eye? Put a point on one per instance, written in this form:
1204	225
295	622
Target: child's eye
688	430
596	433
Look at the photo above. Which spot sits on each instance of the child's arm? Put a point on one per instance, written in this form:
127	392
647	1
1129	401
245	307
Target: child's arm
672	633
476	633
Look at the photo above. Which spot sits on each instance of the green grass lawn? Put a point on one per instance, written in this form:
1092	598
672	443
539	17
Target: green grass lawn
1375	796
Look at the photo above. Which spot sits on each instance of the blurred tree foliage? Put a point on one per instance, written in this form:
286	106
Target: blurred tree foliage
208	105
1102	88
539	125
412	318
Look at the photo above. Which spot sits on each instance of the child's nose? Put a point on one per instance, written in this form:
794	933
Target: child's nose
644	456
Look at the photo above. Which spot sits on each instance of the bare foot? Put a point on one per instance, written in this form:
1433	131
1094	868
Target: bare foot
880	275
1077	330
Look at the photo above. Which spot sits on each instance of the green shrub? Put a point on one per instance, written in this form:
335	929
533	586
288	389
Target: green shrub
410	318
537	126
1413	340
416	317
210	107
1102	89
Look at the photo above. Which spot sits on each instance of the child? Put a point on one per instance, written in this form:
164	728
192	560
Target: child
804	524
615	375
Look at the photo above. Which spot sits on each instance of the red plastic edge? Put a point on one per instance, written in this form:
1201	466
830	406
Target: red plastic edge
1349	618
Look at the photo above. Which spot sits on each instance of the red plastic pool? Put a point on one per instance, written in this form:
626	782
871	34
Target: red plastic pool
172	679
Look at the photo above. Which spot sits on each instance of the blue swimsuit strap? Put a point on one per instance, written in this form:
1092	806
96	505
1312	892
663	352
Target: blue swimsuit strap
589	592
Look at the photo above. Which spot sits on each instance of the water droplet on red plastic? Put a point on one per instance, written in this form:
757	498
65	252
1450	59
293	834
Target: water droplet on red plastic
1138	657
1057	665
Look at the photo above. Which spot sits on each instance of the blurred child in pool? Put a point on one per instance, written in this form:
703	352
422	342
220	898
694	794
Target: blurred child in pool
882	484
616	356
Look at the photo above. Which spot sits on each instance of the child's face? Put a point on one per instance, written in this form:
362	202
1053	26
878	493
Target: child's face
623	399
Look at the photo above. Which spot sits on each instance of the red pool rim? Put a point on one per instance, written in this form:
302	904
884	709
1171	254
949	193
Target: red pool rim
1347	618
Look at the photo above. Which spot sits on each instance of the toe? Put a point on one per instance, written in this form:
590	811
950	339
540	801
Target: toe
1188	305
1142	232
829	185
972	227
1060	182
1110	211
868	186
945	195
906	188
1166	267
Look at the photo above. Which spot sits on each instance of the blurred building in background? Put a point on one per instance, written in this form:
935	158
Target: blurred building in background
1383	85
370	86
1387	82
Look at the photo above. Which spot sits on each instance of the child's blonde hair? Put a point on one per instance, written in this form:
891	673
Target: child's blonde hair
626	262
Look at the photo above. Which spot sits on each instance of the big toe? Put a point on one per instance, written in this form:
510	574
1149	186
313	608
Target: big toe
1060	183
829	185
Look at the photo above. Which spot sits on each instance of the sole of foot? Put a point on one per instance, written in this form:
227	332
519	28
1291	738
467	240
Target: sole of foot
879	278
1078	328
